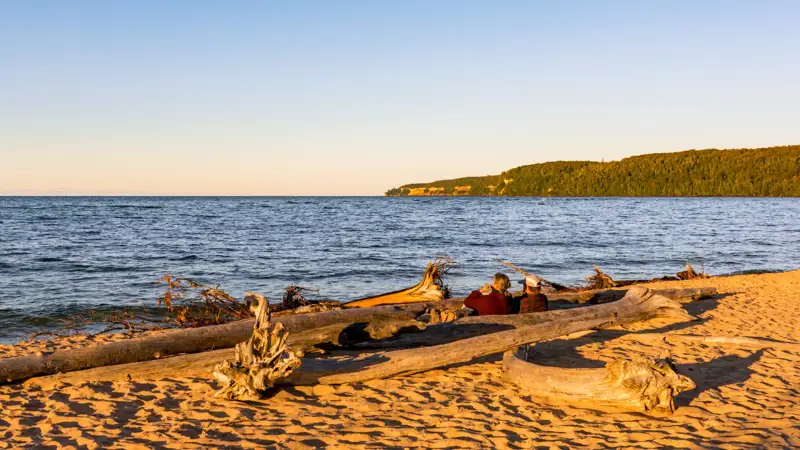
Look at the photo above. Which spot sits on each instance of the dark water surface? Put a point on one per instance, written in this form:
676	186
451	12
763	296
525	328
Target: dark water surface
63	255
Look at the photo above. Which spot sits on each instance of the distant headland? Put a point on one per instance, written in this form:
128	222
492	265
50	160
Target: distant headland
758	172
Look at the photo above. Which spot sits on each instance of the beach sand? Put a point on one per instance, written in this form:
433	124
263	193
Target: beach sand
745	398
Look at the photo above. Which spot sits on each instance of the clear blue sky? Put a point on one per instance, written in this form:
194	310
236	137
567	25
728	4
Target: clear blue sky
355	97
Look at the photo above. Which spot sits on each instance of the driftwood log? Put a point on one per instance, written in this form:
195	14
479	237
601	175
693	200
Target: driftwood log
429	289
260	361
193	340
442	333
642	384
640	304
637	305
611	295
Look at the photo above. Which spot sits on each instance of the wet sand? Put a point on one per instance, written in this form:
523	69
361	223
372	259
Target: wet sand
745	398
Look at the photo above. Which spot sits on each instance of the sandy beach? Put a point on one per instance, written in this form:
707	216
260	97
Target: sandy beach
745	398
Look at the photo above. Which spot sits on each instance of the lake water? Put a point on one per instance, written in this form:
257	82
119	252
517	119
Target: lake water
63	255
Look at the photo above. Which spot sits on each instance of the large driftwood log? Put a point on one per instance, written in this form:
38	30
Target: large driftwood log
639	304
611	295
442	333
260	361
427	290
641	384
193	340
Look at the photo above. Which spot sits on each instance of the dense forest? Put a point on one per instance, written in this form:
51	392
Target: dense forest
773	172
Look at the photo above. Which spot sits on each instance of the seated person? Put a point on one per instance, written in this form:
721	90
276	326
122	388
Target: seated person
532	299
491	300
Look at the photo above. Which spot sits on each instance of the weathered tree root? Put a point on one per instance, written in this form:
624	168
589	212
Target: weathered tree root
690	274
600	280
642	384
430	288
259	362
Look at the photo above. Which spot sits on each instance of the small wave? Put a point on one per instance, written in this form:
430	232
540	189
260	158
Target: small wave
87	268
49	259
16	324
134	206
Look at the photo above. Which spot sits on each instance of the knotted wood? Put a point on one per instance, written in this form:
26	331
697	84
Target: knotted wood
260	361
427	290
638	384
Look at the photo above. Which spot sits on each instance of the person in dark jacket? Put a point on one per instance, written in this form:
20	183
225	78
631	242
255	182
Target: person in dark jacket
532	299
491	300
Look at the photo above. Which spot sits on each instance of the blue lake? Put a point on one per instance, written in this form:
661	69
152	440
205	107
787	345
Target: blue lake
62	255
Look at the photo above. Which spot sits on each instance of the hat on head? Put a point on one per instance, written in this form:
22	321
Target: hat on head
531	280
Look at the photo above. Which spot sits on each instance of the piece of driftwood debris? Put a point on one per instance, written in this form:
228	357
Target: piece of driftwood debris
259	361
430	288
639	384
640	304
554	286
600	280
611	295
690	274
193	340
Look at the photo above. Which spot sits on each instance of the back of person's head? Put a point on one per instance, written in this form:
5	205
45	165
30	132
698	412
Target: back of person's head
533	289
501	283
532	284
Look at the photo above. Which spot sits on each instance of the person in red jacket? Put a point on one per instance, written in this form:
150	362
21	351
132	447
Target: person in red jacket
491	300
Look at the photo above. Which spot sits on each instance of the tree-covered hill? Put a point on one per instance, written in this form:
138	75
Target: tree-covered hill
773	172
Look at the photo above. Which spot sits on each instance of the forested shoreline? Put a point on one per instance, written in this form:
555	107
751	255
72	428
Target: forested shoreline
767	172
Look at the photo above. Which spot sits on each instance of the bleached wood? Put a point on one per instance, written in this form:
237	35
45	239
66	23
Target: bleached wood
639	384
259	362
193	340
639	304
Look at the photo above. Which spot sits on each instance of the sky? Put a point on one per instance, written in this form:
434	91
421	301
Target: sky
356	97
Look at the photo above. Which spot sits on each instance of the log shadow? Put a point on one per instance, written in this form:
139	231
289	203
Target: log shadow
439	336
722	371
564	352
697	307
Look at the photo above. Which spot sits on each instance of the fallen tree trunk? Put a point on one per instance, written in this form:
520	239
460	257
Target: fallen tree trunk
443	333
430	288
639	304
611	295
643	384
193	340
